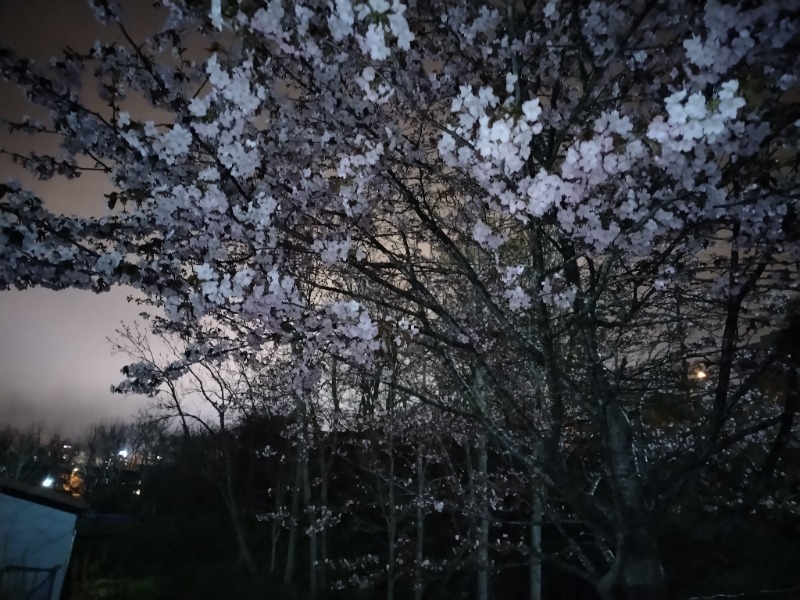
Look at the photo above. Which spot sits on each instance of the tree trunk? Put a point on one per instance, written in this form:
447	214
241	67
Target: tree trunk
290	547
325	466
229	496
391	522
241	539
309	510
481	496
420	526
480	486
535	565
275	534
640	566
642	572
637	564
323	534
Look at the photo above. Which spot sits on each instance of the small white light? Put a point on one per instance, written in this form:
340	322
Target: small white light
123	453
700	374
137	492
48	482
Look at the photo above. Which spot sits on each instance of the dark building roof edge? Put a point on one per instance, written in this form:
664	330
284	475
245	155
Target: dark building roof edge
43	496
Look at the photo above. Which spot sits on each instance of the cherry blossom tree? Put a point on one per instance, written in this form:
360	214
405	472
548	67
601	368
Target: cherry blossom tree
565	209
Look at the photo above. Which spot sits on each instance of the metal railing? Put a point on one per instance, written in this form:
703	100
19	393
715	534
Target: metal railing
27	583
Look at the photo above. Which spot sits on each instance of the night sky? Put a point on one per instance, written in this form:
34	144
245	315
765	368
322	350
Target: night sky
56	367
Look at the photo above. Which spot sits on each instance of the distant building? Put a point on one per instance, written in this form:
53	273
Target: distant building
37	528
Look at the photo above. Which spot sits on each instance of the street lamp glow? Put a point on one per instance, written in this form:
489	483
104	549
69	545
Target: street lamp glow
700	374
48	482
123	453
